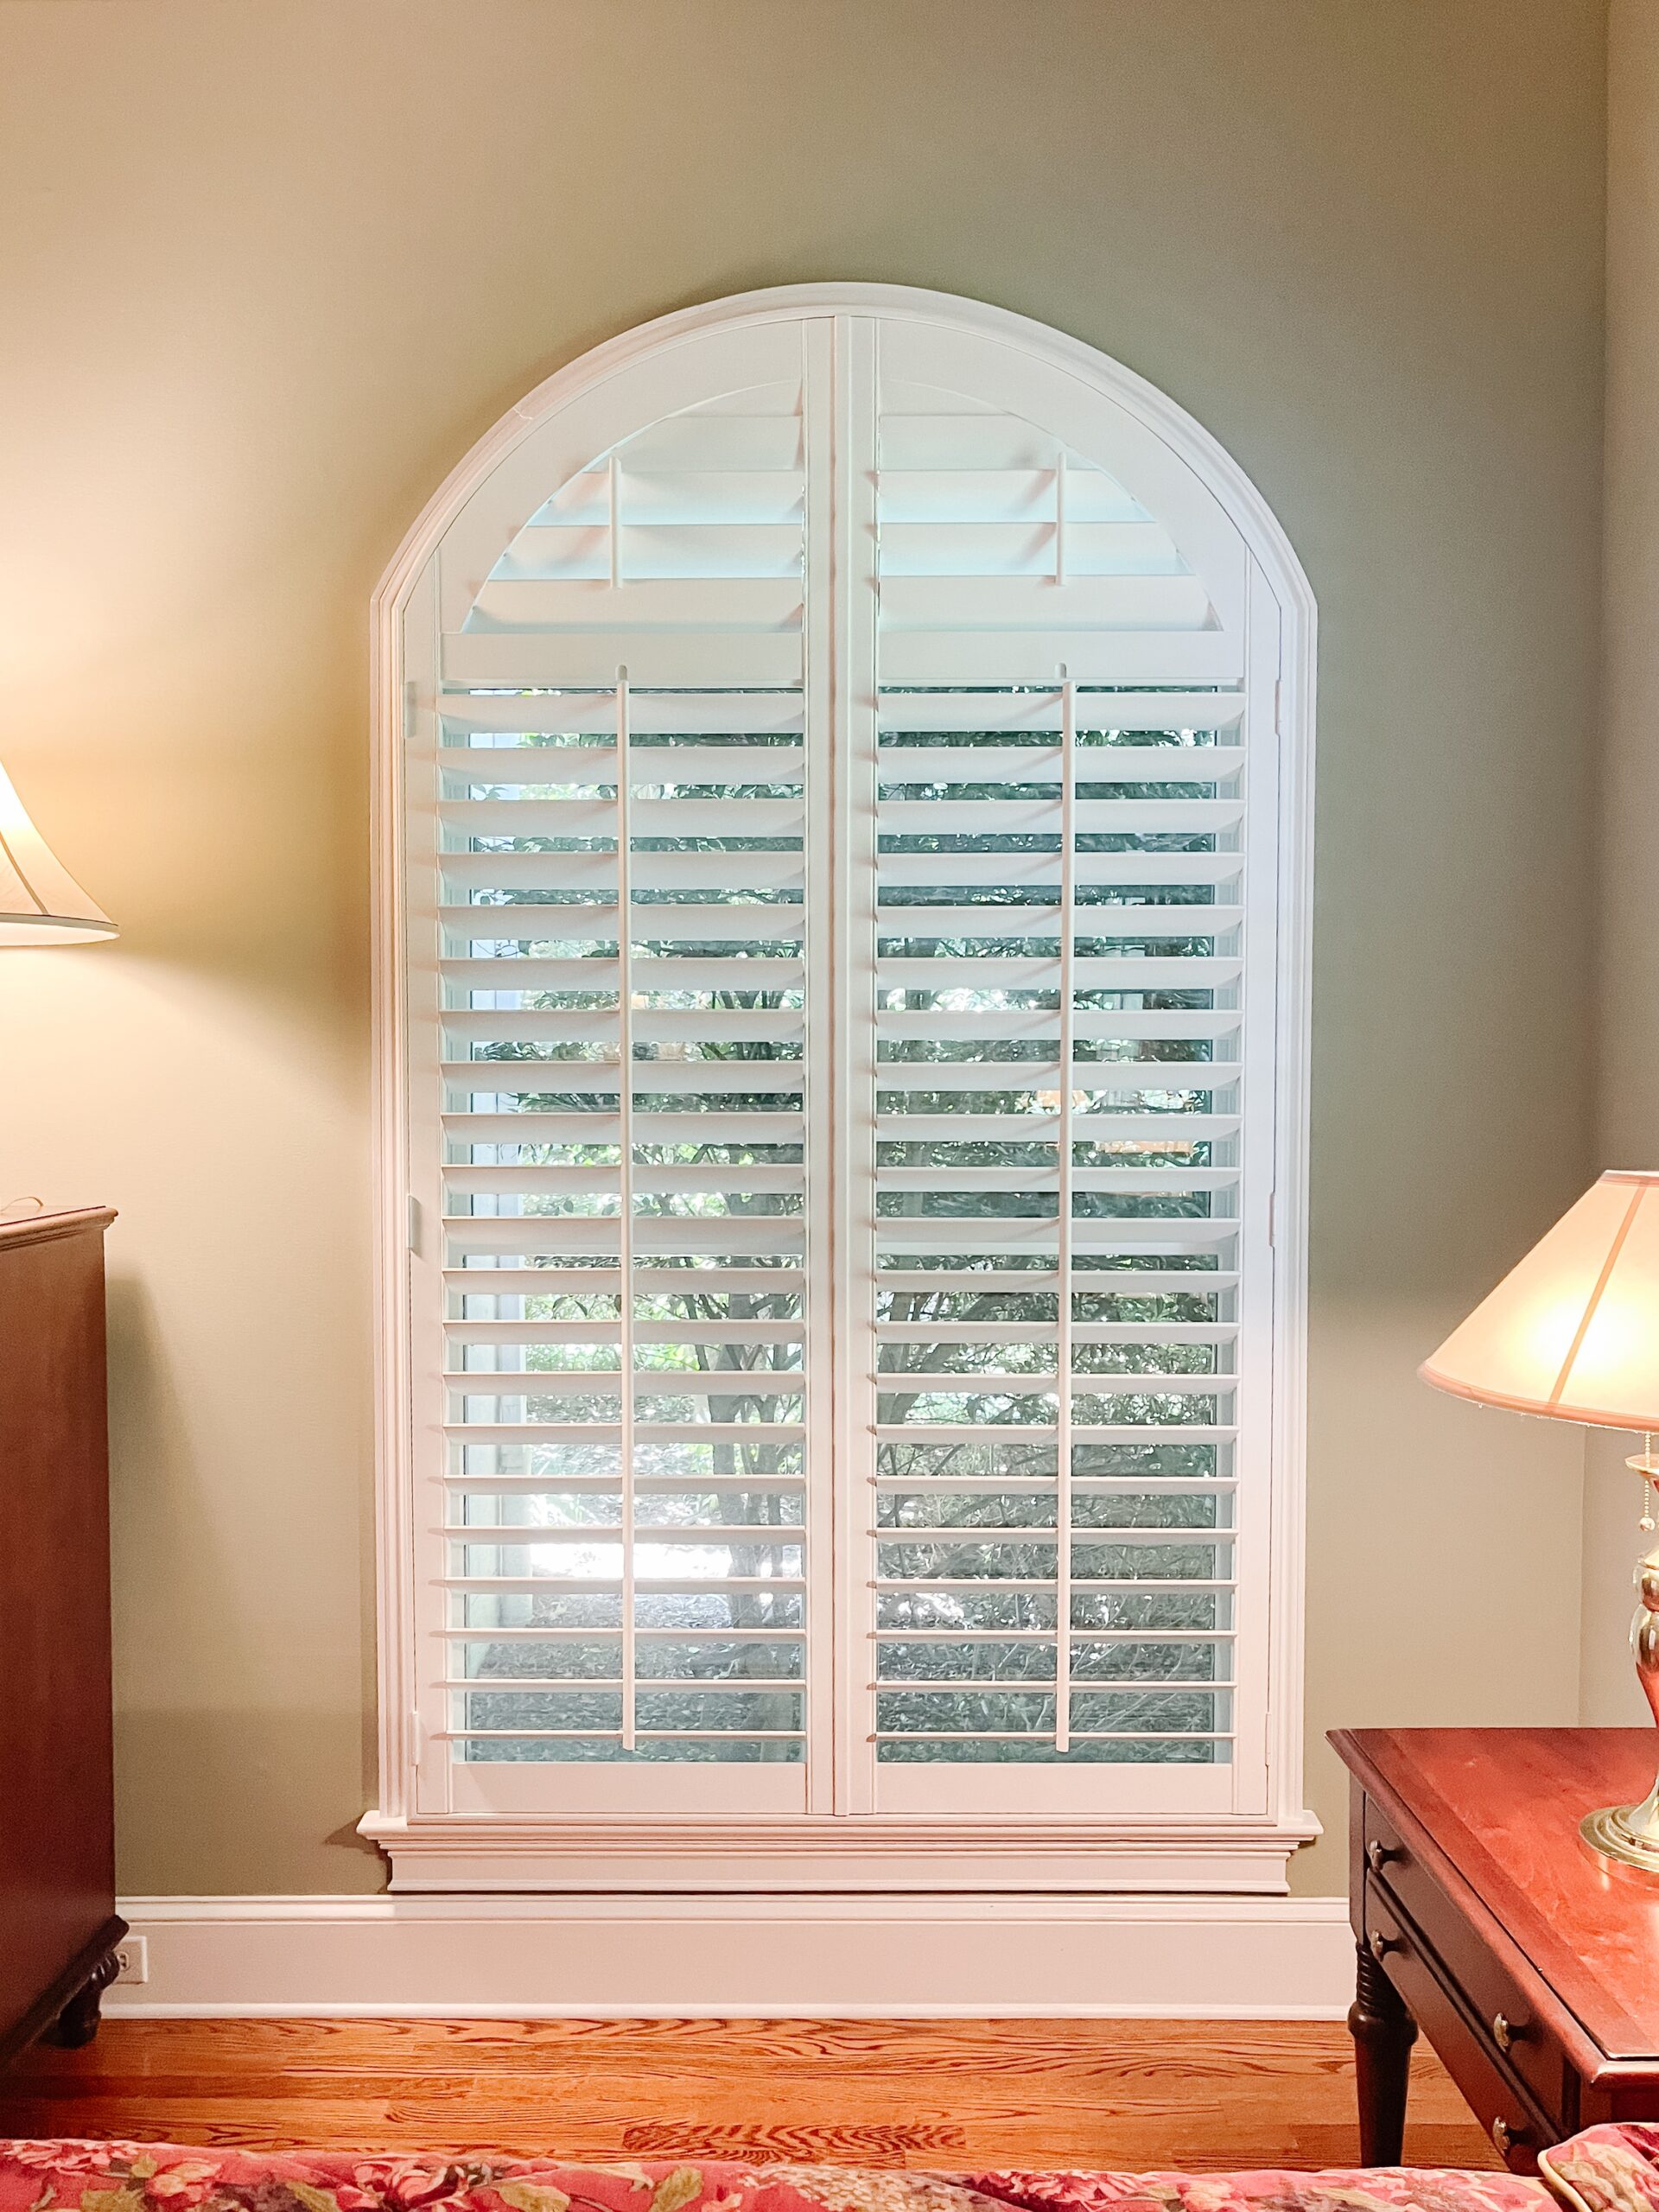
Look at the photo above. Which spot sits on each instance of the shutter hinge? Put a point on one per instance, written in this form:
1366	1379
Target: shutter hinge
1273	1218
414	1224
1278	706
417	1736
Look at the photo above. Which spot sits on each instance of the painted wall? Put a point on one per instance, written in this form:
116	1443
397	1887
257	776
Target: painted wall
1627	1060
278	264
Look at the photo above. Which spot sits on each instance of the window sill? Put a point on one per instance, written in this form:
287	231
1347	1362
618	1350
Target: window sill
829	1856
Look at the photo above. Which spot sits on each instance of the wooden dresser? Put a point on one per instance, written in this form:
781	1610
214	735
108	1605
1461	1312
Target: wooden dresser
58	1922
1532	1967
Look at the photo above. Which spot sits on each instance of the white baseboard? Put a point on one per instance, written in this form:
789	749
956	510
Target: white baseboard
484	1957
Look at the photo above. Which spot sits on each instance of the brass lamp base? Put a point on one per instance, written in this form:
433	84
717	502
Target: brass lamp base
1623	1834
1629	1835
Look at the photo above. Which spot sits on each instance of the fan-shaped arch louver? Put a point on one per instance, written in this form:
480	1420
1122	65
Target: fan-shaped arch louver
847	1030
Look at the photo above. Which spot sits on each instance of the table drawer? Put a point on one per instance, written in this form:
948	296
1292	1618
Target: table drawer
1519	2127
1514	2040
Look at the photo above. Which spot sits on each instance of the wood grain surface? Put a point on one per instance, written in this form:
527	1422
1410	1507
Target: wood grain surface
1129	2094
1494	1814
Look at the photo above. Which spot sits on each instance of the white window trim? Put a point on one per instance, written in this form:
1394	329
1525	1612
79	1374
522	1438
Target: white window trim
1125	1853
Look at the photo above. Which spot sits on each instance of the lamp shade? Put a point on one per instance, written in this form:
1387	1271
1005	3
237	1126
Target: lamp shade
1573	1331
40	903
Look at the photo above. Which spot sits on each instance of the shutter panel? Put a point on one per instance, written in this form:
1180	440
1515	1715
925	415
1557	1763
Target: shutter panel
842	1007
1060	940
622	812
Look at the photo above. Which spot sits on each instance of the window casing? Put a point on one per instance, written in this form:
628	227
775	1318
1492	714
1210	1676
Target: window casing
932	700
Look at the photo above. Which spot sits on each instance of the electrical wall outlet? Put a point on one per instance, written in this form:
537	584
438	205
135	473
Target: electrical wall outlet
132	1959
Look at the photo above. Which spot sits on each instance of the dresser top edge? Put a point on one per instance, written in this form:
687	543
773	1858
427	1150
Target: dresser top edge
42	1228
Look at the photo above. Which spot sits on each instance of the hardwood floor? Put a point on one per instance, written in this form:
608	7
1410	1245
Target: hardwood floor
1129	2094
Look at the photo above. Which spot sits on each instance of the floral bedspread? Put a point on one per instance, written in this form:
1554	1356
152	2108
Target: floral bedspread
69	2177
1606	2169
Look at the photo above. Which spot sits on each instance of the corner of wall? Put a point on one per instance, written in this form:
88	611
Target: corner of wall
1627	949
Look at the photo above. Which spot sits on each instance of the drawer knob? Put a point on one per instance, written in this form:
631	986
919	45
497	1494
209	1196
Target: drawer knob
1380	1945
1505	2033
1378	1856
1505	2138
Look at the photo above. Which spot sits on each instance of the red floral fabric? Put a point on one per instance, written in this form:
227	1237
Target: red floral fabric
73	2177
1614	2168
1399	2189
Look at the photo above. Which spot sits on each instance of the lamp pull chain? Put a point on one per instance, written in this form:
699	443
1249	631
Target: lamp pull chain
1644	1475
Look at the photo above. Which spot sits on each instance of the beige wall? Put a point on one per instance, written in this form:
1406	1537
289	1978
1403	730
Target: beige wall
1627	1120
279	262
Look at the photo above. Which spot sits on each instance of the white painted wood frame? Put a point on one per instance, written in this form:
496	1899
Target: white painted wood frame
1155	588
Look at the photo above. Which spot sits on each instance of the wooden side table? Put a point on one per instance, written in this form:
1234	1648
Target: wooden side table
1531	1966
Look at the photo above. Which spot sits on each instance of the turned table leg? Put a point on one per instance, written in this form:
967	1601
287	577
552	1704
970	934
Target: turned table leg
78	2022
1383	2032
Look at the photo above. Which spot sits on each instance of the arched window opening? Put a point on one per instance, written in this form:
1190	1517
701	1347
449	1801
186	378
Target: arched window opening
845	762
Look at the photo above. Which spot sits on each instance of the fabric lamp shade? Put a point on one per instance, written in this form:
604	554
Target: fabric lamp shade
1572	1332
40	903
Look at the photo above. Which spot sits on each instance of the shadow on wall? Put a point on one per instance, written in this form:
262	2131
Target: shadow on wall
218	1754
238	1781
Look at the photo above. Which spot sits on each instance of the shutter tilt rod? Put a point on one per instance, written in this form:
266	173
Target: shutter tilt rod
1064	1226
624	1139
615	474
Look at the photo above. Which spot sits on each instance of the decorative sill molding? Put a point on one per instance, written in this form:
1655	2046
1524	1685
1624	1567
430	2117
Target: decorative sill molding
757	1857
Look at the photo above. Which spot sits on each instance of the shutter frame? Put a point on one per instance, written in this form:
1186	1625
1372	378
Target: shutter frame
922	324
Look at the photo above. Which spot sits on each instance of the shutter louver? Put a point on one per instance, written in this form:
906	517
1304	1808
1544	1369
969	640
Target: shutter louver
842	999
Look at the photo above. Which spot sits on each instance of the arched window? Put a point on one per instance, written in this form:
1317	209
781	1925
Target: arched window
844	769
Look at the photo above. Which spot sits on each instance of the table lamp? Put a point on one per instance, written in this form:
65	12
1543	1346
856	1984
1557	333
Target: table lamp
1573	1333
40	903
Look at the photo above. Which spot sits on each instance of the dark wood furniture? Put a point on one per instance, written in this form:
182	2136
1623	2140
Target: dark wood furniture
1531	1966
58	1923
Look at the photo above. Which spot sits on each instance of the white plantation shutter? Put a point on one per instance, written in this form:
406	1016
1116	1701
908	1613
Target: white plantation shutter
842	1019
621	881
1059	1174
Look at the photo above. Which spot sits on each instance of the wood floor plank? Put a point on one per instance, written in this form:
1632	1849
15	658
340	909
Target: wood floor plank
1129	2094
